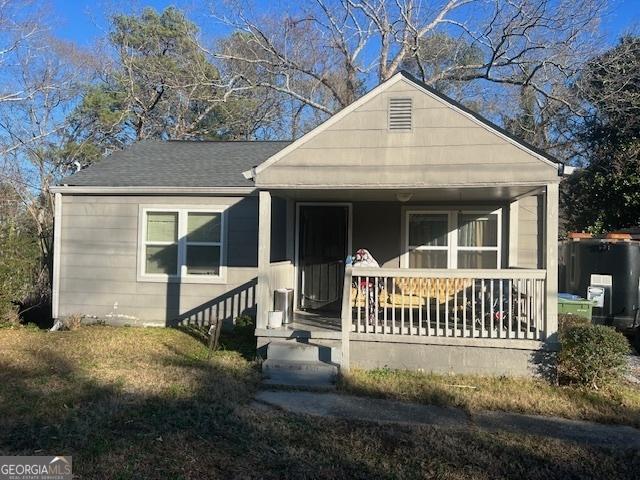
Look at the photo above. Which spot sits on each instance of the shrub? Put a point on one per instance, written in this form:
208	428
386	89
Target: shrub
245	324
592	355
19	265
568	320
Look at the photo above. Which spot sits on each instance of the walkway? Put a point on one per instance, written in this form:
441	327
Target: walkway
390	411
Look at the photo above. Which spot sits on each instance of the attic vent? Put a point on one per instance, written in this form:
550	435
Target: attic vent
400	110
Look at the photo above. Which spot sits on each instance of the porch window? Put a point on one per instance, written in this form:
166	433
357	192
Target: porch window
452	239
477	240
428	240
182	244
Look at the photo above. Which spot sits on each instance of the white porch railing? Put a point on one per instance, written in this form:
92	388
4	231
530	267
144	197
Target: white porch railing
495	304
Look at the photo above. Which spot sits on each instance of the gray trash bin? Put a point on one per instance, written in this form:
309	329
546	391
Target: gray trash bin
283	301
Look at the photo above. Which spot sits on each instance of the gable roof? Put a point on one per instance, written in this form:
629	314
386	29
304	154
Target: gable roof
175	163
480	118
402	75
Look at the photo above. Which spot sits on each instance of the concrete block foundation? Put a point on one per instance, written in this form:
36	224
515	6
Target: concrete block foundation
479	360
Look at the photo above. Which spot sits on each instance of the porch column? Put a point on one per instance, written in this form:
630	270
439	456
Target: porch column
551	259
514	233
263	289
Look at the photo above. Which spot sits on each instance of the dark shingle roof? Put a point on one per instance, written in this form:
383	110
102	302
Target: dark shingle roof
177	164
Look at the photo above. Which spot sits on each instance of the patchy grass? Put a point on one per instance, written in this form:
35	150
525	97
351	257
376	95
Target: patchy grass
619	404
147	404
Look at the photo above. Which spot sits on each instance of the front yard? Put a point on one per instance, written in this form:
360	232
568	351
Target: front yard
146	403
616	404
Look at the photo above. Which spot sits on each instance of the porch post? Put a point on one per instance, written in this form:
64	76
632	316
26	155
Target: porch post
551	259
514	224
263	292
346	320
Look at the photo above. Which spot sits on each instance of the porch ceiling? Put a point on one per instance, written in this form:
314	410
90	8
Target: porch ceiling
431	195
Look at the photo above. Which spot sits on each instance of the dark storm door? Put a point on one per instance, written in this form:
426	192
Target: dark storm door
322	250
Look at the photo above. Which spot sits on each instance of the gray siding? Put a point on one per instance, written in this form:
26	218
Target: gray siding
530	232
376	227
98	262
445	147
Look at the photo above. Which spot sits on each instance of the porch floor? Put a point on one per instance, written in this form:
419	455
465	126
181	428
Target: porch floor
307	325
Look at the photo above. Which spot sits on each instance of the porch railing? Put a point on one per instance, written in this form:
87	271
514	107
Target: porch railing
495	304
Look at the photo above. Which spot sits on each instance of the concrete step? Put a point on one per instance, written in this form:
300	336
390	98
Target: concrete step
298	373
293	351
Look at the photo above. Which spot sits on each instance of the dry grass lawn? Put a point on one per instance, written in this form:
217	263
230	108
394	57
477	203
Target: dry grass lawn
620	404
146	404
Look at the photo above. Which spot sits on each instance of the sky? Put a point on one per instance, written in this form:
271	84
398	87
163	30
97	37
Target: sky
85	21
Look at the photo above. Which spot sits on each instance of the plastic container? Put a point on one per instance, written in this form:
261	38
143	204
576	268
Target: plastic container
274	319
575	305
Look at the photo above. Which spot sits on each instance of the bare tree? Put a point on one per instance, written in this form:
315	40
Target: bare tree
34	130
324	54
18	26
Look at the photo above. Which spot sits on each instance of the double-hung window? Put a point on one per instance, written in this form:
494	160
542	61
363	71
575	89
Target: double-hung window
452	239
478	241
182	244
428	235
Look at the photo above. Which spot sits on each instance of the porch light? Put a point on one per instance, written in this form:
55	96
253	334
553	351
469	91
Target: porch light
404	196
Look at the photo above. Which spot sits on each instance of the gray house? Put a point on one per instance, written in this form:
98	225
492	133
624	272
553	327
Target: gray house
461	218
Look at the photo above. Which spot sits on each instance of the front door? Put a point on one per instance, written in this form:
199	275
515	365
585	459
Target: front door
322	250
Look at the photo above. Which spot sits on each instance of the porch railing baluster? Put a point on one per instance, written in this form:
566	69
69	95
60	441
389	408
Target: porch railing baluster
455	313
493	307
464	311
483	297
420	290
358	302
510	289
473	308
393	310
411	290
528	287
402	315
366	305
446	308
501	311
376	297
428	307
437	299
386	303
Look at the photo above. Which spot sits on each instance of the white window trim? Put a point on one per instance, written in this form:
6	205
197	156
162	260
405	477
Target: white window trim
181	276
452	247
407	248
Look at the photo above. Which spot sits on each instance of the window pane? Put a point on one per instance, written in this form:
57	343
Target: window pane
162	226
428	259
162	259
477	259
203	260
203	227
429	230
478	230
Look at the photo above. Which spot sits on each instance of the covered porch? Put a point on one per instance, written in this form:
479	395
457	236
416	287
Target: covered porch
472	266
